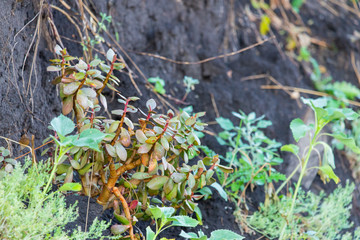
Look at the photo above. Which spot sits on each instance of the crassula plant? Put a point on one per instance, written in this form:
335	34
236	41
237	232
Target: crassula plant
125	161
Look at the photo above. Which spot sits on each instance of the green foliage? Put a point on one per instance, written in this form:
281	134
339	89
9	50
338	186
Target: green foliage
251	153
164	218
26	212
315	216
324	114
296	4
140	160
221	234
159	84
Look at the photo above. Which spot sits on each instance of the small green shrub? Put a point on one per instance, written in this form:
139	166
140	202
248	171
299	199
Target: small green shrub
27	212
251	153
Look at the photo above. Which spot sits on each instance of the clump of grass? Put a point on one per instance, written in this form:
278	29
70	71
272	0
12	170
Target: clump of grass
27	212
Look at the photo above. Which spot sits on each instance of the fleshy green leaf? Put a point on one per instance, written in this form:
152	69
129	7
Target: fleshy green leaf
290	148
71	187
62	125
225	123
223	234
348	142
90	138
299	129
150	235
220	190
157	182
184	221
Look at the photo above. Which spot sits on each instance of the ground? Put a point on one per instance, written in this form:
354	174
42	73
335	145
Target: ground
183	31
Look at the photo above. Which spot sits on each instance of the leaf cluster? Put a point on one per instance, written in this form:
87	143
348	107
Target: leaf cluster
135	160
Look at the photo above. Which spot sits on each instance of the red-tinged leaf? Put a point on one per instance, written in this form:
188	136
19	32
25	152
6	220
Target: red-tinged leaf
140	136
96	84
67	80
159	151
68	104
103	101
71	88
151	104
111	150
120	151
53	69
119	229
82	100
133	204
125	137
145	148
152	164
151	140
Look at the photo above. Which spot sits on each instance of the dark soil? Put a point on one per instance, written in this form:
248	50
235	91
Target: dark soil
185	31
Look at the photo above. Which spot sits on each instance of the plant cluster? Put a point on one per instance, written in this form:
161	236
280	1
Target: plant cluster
251	153
120	158
24	200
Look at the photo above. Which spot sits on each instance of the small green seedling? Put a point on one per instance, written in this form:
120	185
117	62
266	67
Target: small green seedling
159	84
189	83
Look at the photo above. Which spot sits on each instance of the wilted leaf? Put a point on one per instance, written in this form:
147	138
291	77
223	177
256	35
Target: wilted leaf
117	229
68	104
125	137
103	101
